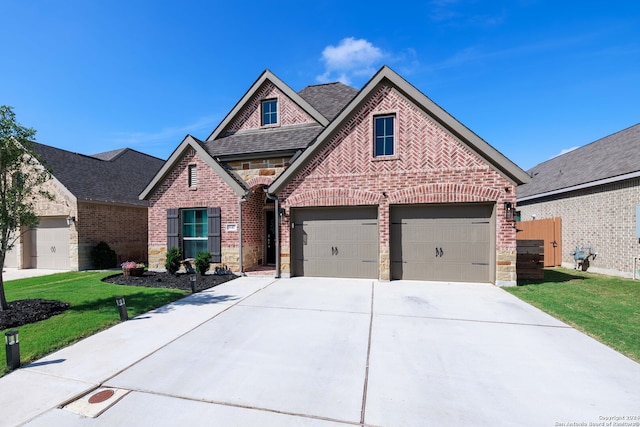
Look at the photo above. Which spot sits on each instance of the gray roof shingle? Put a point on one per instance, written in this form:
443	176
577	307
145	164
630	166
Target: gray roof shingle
329	99
614	155
117	180
287	138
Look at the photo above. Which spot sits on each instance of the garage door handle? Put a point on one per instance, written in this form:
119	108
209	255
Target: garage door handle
439	252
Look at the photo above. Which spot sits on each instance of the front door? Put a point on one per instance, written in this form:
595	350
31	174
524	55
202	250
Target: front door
270	222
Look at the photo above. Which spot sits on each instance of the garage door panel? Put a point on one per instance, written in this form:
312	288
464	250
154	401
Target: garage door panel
442	242
335	242
50	241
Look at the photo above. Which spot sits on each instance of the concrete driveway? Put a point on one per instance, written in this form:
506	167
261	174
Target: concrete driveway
331	352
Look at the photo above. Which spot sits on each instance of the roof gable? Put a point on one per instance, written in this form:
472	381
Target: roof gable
608	159
388	78
245	114
189	142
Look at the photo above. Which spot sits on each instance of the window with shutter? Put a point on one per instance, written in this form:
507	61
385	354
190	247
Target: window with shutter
214	237
173	228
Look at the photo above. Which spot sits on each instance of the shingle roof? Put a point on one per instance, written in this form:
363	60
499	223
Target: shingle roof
117	180
609	157
287	138
329	99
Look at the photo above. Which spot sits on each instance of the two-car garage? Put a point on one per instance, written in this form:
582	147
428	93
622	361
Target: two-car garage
451	242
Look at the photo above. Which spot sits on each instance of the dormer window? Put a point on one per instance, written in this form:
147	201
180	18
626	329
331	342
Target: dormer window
269	112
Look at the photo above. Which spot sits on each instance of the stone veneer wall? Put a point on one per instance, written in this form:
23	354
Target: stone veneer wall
430	165
63	205
603	217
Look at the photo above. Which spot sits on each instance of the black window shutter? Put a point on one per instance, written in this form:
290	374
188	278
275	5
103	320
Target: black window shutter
173	228
214	237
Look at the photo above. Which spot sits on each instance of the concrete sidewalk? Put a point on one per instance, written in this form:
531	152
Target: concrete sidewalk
329	352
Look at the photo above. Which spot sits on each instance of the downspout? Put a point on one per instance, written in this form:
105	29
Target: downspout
240	202
277	214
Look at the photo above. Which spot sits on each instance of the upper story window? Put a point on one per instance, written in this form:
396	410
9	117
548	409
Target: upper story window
270	112
384	135
193	176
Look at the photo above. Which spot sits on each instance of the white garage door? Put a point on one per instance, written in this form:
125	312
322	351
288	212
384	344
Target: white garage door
50	243
454	243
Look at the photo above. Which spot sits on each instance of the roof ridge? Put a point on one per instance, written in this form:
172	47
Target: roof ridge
325	84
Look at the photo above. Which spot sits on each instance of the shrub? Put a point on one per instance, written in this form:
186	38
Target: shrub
203	262
103	256
172	264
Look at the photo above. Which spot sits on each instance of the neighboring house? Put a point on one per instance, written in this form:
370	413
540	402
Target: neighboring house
379	183
95	199
595	189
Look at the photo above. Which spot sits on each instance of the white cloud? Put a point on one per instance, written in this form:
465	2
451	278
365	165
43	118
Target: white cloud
351	57
566	150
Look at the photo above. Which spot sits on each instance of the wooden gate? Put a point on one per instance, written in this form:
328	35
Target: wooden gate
548	230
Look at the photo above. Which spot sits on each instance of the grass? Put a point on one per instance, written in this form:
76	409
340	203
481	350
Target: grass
604	307
92	309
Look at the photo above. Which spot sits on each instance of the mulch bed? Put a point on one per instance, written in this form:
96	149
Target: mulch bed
154	279
22	312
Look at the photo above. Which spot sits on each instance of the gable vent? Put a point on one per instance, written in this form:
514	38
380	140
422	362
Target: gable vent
193	176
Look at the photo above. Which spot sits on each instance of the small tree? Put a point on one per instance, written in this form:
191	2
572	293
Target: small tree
21	181
172	263
203	262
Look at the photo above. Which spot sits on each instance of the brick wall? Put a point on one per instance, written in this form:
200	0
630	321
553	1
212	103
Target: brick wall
123	228
429	166
174	192
603	217
250	117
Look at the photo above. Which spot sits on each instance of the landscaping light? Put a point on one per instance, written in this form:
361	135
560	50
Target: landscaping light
122	308
12	345
192	279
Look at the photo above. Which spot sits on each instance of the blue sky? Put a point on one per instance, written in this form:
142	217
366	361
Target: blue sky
532	78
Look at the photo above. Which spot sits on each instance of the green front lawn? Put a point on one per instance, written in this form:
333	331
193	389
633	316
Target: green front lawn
606	308
93	309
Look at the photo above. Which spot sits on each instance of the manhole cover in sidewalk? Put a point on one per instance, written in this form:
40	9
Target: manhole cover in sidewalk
101	396
96	402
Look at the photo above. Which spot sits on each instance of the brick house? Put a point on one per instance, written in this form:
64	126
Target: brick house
95	199
595	189
329	181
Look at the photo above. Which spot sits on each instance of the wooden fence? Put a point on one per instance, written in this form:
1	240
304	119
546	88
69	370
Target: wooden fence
530	259
547	230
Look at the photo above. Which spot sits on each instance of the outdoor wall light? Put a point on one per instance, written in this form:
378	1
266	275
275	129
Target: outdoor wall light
192	280
509	211
122	308
12	345
71	220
